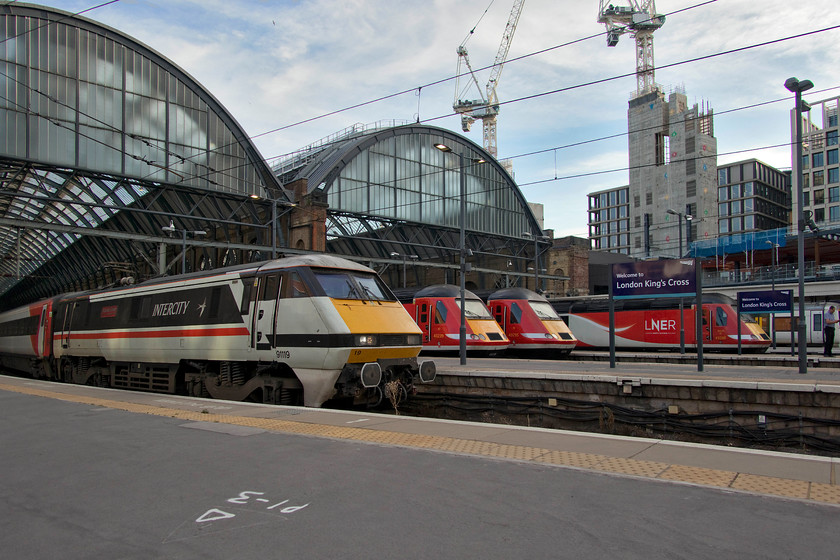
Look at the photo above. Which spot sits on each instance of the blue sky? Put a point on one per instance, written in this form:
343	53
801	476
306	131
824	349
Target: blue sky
275	64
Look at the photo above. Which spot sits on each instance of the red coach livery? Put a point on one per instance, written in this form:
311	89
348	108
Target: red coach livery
656	323
437	311
531	323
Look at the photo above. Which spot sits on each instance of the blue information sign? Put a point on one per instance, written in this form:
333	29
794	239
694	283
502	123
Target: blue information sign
668	278
767	301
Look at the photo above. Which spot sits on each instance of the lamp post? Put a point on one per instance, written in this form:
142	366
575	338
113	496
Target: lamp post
170	229
688	218
404	258
462	348
774	248
274	219
797	87
537	239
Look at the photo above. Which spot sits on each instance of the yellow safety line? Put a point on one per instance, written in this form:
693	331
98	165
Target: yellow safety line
827	493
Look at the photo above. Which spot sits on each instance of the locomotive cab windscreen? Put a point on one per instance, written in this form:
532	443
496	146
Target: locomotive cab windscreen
474	309
346	284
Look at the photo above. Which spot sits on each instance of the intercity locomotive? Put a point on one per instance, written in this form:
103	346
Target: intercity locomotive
297	330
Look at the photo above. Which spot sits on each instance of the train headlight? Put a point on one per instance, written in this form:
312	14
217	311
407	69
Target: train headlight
366	340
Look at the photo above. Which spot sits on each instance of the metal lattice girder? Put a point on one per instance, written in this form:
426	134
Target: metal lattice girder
58	226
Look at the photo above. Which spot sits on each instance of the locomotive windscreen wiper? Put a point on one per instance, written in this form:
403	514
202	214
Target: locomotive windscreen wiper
354	291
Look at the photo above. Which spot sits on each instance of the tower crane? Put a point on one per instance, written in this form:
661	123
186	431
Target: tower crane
640	20
487	107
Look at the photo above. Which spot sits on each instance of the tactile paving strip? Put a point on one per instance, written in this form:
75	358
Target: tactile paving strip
826	493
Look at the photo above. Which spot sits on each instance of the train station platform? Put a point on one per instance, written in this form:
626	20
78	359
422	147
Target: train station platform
787	475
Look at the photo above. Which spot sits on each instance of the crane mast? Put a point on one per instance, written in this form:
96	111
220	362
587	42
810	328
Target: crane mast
487	107
639	19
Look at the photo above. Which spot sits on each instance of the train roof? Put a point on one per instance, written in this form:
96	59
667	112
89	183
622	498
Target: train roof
444	290
601	303
516	293
317	260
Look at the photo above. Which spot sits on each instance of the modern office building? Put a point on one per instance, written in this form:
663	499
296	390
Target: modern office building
752	196
820	163
609	220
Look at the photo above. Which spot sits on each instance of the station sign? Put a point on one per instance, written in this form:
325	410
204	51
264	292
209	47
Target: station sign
650	279
767	301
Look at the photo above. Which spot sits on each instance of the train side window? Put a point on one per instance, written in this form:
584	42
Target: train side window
817	322
248	294
720	317
424	313
296	286
515	313
268	287
440	313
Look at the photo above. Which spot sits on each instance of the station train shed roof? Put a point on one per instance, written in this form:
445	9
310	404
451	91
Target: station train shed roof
114	162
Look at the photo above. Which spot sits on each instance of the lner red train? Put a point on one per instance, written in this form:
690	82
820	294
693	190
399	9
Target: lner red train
531	323
302	329
655	323
437	311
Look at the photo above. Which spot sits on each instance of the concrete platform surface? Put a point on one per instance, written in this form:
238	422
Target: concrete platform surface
789	475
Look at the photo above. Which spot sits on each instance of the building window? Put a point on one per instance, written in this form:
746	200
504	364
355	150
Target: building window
819	178
832	157
690	189
834	213
637	221
723	209
819	215
690	166
736	207
735	191
834	175
723	176
723	226
648	198
831	138
832	120
818	159
748	188
636	201
819	196
806	161
723	193
662	146
806	180
834	194
806	198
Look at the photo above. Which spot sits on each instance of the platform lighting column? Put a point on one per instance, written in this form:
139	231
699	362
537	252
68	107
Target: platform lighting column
797	87
773	258
170	229
462	350
680	215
